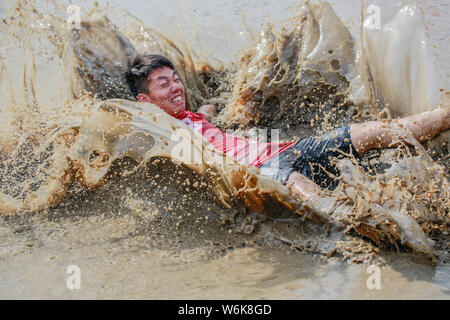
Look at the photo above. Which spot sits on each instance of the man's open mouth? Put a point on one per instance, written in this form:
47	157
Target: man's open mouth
176	99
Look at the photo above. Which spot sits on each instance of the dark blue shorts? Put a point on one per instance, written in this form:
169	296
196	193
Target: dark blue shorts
313	157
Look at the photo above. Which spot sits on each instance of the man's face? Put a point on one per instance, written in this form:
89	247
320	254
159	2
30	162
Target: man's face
166	91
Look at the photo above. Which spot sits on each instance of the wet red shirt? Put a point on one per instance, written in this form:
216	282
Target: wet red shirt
243	151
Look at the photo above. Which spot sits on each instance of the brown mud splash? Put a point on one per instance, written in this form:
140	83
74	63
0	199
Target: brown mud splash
384	208
310	75
75	139
306	77
45	68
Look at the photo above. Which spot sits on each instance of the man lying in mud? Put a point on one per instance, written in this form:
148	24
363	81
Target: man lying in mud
304	166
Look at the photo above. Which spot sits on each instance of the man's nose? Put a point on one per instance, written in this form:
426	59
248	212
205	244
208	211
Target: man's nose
175	87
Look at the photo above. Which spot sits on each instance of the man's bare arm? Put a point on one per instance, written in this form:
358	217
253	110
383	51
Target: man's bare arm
377	134
208	110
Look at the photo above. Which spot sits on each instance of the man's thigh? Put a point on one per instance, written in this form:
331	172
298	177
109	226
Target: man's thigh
314	157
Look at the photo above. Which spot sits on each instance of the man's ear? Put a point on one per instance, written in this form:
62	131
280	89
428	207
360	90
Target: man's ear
142	97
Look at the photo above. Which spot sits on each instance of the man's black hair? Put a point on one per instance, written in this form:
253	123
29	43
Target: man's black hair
138	70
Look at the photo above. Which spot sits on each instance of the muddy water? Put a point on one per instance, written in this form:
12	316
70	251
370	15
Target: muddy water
127	244
119	262
150	235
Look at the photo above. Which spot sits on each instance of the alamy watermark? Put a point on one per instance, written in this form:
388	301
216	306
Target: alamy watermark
74	20
373	19
374	281
73	282
257	144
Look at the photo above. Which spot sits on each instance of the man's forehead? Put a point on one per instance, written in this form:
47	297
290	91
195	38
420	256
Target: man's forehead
161	74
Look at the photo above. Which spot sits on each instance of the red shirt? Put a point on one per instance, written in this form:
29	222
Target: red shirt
243	151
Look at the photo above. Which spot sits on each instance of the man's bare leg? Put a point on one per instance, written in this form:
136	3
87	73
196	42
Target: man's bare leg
301	186
377	134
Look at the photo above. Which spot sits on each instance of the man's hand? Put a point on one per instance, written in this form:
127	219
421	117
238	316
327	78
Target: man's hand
208	110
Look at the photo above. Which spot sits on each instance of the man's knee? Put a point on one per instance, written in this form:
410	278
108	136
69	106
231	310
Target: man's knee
301	186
